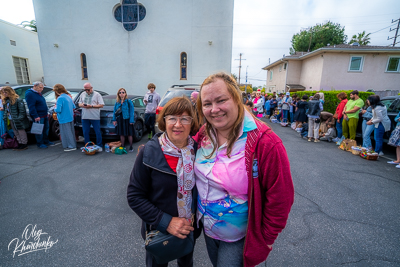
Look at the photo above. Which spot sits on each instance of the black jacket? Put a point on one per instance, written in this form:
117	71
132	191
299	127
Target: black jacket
153	187
18	114
313	108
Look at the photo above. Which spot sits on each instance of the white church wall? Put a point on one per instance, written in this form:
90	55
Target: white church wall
150	53
26	47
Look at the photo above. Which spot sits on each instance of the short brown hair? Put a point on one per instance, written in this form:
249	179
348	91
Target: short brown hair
59	89
151	85
355	92
342	95
177	106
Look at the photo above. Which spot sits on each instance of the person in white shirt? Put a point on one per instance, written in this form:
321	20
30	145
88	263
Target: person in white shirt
151	100
91	102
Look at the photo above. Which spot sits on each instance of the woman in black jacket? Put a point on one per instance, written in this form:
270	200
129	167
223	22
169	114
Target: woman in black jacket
162	183
15	113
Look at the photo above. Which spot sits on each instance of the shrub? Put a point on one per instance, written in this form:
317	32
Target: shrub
331	101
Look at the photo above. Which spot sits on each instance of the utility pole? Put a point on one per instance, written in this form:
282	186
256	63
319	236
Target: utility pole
245	87
397	30
240	64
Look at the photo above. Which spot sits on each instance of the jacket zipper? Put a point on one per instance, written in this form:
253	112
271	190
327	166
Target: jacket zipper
158	169
250	202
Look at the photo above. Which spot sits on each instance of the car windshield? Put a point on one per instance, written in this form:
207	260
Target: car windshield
171	94
394	106
22	90
51	96
109	101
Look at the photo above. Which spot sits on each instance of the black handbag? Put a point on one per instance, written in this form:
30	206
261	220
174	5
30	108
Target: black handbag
167	247
118	112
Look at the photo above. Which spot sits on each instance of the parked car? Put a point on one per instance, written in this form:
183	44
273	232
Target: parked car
106	114
54	126
392	104
174	91
21	90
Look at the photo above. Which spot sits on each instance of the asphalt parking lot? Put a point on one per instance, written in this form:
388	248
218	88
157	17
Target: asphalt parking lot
346	209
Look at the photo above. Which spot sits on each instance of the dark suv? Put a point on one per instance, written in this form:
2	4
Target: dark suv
174	91
54	126
106	114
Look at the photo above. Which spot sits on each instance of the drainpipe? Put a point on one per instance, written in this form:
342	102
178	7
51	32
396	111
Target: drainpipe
287	69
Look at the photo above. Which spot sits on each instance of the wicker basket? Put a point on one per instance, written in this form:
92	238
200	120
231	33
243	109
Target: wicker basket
86	151
372	157
355	152
364	155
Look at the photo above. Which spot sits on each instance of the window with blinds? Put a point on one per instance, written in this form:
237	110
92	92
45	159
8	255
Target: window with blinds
21	70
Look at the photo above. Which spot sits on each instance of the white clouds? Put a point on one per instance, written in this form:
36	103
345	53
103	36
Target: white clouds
16	11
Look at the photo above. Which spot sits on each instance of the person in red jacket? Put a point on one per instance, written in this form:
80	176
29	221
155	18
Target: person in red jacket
339	116
242	176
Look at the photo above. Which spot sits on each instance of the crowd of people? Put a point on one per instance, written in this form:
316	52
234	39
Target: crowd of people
14	120
306	114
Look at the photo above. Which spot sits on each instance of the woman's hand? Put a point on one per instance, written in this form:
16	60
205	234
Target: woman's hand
369	122
179	227
115	123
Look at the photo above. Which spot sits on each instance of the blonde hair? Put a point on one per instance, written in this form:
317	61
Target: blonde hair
11	94
234	91
118	97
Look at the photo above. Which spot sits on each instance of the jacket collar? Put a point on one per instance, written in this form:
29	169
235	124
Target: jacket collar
154	158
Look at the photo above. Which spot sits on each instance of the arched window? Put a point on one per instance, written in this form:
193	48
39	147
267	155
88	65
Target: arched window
84	67
183	66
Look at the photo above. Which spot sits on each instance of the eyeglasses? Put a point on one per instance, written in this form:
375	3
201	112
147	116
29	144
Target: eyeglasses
87	90
121	92
171	119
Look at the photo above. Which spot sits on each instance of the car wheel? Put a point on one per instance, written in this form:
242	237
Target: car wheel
137	131
55	130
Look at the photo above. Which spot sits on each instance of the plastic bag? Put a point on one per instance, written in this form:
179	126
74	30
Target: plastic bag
37	128
120	151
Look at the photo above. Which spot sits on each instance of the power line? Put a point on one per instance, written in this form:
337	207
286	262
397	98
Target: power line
383	28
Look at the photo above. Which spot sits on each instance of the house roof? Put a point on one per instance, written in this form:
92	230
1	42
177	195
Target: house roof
342	48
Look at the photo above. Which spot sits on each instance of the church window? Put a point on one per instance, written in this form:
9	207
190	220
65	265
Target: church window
183	66
129	13
84	67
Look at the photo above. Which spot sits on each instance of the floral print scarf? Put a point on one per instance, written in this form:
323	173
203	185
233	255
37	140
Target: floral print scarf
184	173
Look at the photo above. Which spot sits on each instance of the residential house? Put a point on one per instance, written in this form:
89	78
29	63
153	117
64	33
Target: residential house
337	67
20	61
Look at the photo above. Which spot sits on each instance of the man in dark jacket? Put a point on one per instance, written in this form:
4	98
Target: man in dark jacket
38	111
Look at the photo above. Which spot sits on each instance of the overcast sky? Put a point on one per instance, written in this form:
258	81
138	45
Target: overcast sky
262	30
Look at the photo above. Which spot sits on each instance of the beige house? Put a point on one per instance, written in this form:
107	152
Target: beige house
337	67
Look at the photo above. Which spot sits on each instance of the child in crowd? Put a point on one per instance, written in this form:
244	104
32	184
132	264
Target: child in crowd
330	134
304	130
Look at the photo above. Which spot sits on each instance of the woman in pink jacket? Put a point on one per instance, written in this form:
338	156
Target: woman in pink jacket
339	116
242	176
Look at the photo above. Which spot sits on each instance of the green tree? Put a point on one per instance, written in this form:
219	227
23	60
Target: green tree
361	38
318	36
29	24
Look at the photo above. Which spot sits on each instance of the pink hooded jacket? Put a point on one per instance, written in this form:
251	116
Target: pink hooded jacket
270	193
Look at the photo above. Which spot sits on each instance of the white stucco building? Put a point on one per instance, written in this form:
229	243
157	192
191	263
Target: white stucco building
20	61
173	42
